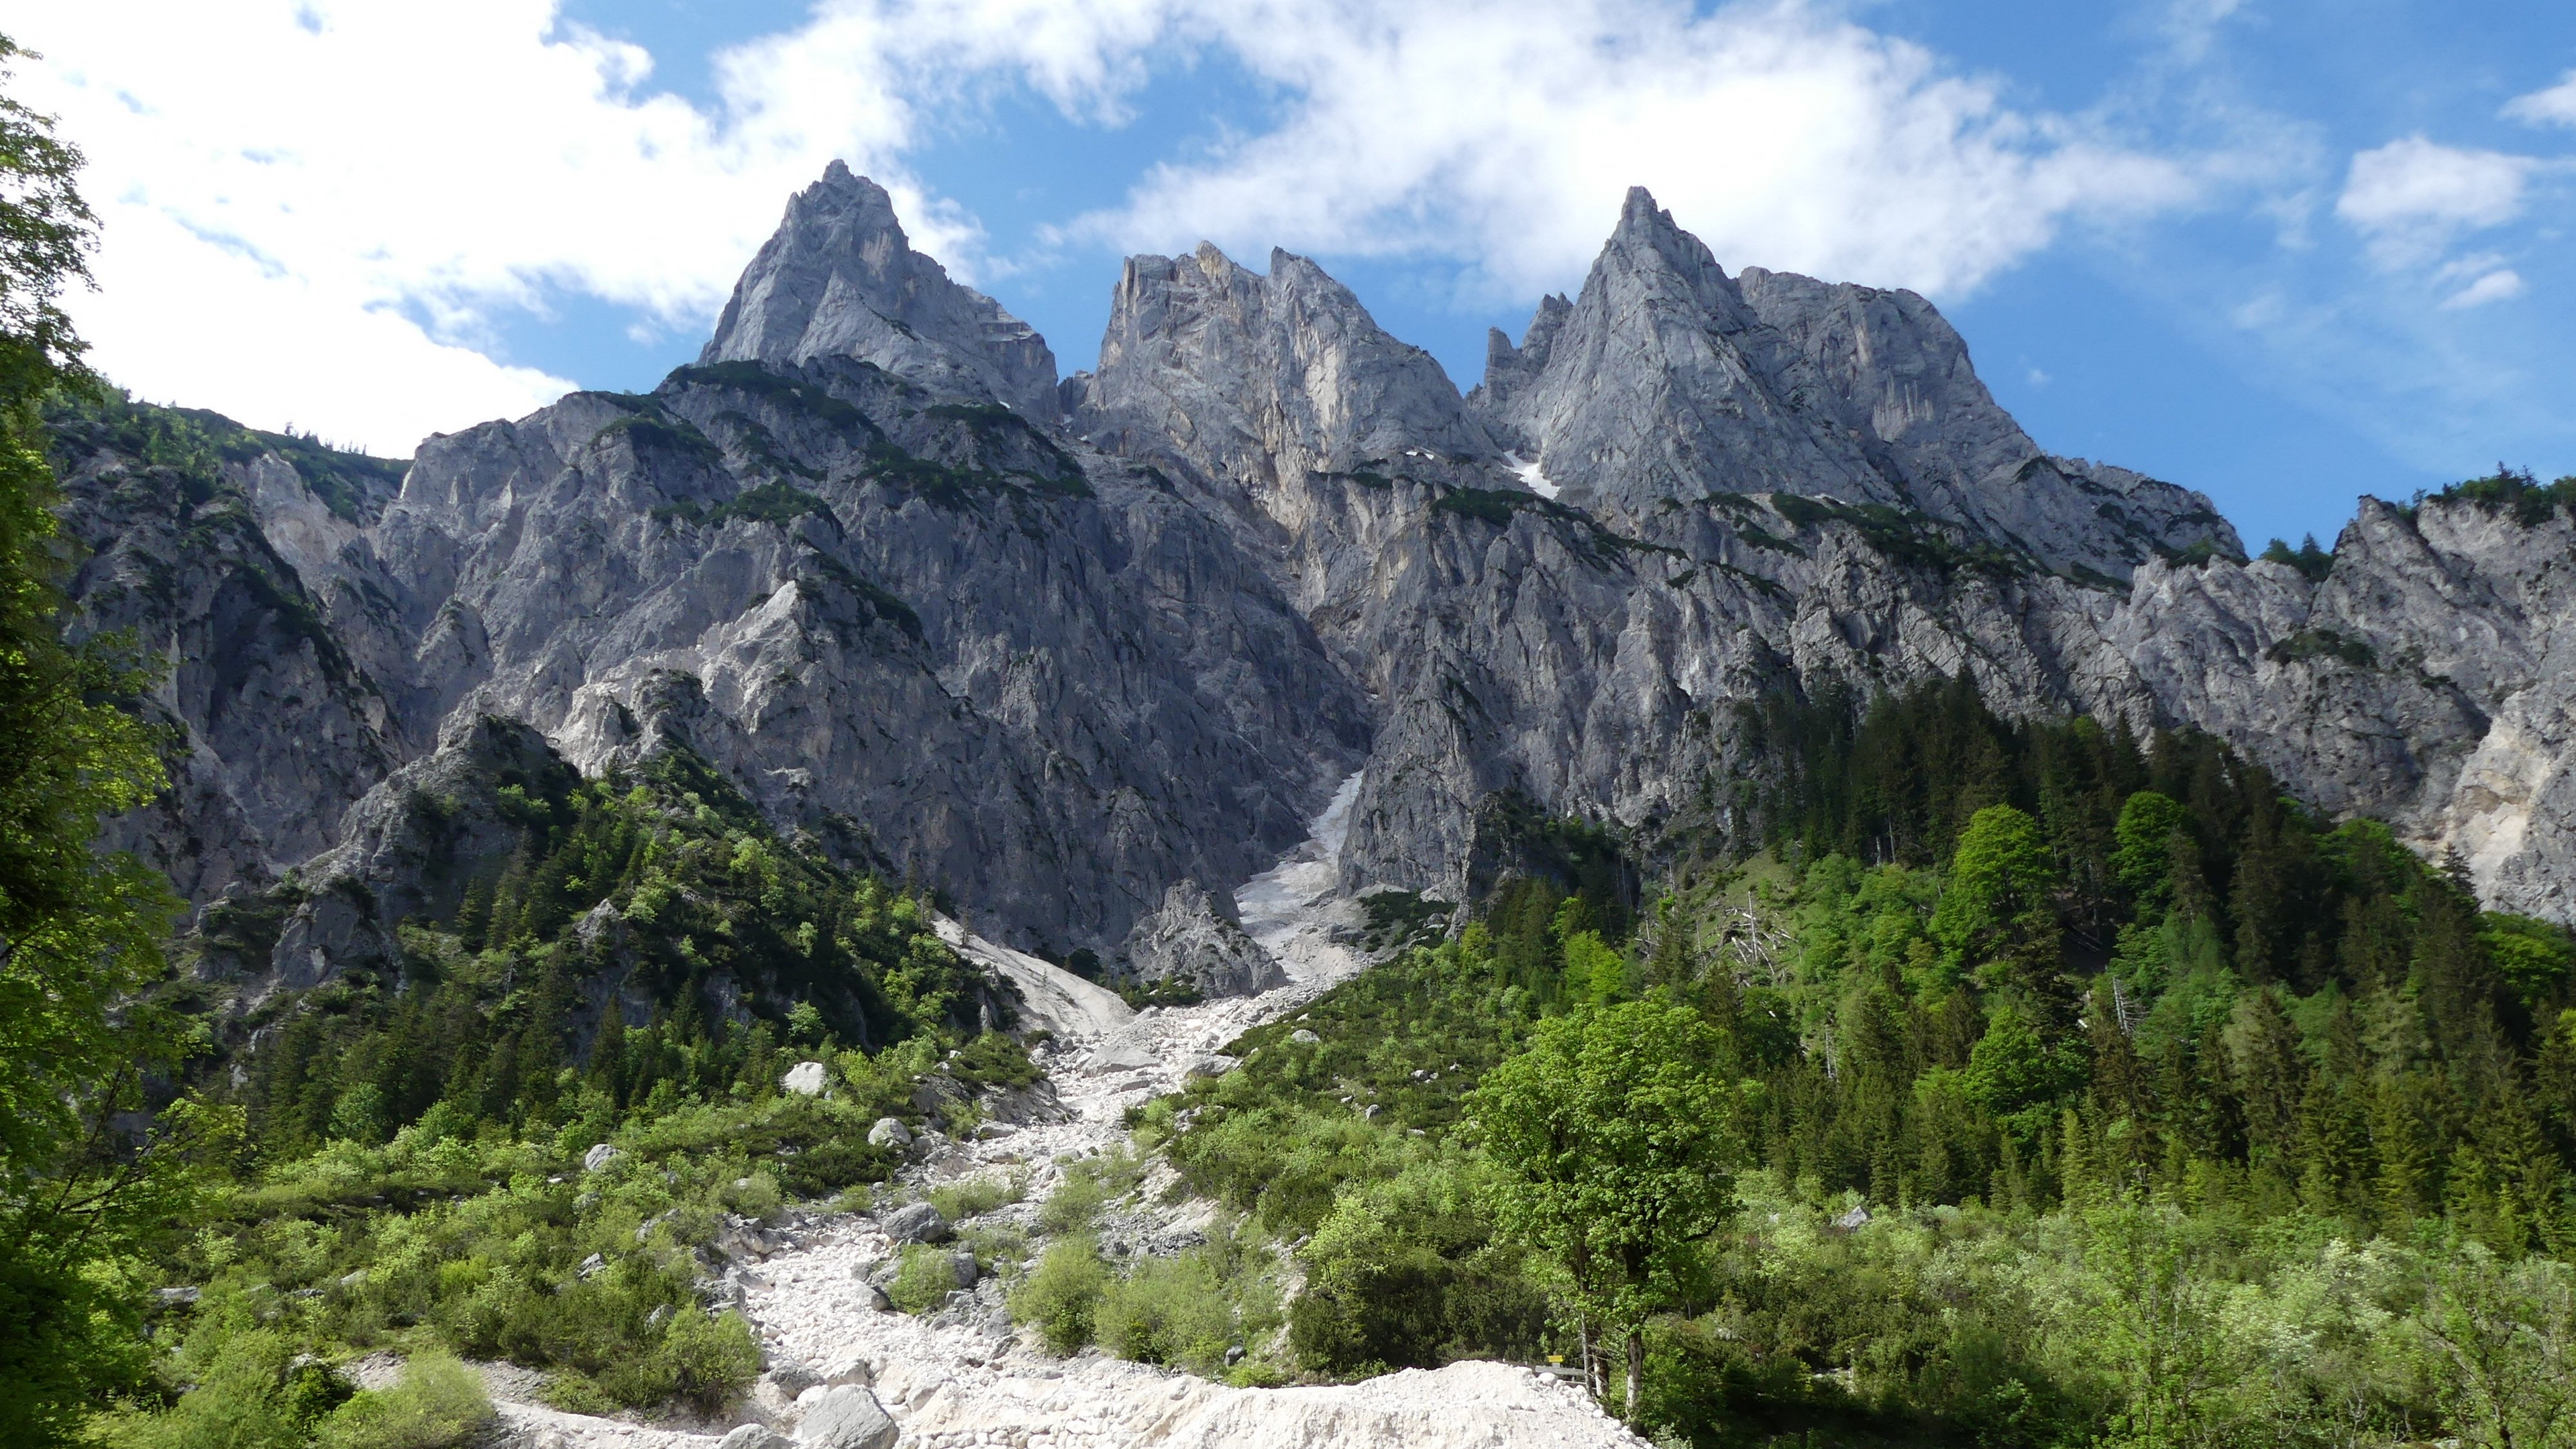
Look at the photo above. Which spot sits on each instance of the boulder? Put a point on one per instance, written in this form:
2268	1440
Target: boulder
917	1223
1114	1059
847	1417
889	1132
599	1156
804	1079
790	1378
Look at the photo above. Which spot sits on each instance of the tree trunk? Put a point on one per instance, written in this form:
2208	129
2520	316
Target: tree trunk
1591	1363
1636	1369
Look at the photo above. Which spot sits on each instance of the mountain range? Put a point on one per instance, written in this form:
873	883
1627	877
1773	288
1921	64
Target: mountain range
1085	653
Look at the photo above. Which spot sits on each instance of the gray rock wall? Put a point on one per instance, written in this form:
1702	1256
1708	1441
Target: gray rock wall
1064	651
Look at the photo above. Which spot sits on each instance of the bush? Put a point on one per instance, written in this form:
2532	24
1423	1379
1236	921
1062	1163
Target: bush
438	1404
1087	1186
1186	1311
976	1196
923	1279
1062	1297
237	1404
711	1359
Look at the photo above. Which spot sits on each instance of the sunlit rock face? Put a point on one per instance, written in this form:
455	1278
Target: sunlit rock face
1058	650
839	279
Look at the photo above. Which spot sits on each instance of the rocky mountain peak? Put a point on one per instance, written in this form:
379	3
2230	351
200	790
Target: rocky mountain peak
1260	379
1668	380
840	278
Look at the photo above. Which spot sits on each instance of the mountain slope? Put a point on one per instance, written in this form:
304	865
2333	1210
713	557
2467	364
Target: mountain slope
1058	668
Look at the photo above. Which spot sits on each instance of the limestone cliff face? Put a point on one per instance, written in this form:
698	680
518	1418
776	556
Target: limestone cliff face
1192	942
1063	652
1666	381
839	279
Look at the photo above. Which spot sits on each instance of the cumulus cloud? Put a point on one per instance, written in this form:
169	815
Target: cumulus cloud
2555	106
1505	132
284	186
322	210
2412	196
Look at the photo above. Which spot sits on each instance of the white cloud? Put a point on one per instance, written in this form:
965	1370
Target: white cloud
2411	196
280	183
1504	132
2555	106
285	184
2493	287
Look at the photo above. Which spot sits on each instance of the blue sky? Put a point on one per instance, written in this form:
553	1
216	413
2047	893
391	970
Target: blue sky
2283	252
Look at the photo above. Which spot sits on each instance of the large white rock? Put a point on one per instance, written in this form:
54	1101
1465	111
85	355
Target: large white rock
804	1078
847	1417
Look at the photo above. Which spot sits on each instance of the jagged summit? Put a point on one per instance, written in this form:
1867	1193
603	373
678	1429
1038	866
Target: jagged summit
839	277
1667	379
1261	379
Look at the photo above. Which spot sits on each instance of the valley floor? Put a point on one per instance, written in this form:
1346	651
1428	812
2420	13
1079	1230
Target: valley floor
962	1376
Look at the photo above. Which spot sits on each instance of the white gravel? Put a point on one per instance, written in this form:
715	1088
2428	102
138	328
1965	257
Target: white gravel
952	1381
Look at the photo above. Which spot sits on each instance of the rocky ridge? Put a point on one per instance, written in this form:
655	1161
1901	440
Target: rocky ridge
1061	650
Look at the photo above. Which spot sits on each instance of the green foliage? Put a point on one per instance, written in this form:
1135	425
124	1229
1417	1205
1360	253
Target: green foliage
974	1197
80	931
1998	910
1087	1186
703	891
1410	1271
438	1404
775	502
2306	644
1187	1310
2311	561
1901	535
1610	1136
2178	1114
924	1277
2515	491
1062	1295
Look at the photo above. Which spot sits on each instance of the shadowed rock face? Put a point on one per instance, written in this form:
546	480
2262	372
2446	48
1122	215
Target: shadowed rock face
1065	652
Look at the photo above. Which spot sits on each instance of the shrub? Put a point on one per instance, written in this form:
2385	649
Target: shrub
923	1279
1062	1297
1186	1311
438	1404
1087	1186
711	1359
235	1405
976	1196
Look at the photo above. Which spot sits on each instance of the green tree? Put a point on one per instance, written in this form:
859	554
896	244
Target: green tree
80	932
2143	860
1999	912
1611	1135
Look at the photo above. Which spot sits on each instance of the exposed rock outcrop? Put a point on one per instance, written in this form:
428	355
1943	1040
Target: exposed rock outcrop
1189	942
1667	380
840	279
